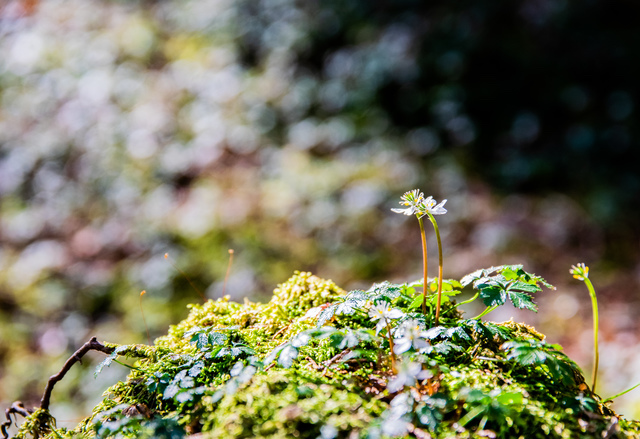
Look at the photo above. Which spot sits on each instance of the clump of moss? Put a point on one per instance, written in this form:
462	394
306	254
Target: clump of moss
312	363
285	404
40	423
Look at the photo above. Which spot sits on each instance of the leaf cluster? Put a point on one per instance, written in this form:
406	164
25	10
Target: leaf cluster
496	284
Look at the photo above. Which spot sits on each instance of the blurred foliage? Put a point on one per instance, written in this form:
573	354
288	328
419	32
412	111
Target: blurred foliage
285	130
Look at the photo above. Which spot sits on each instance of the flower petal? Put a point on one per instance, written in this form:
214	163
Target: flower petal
408	211
439	209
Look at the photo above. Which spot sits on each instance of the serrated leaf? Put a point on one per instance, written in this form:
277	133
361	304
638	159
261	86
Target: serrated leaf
326	315
478	274
217	338
107	361
469	278
236	369
511	272
196	369
522	300
273	354
247	350
323	332
187	382
347	307
287	355
434	332
104	363
561	371
183	397
458	332
301	339
201	340
560	367
445	347
488	329
523	286
222	352
493	295
525	353
171	391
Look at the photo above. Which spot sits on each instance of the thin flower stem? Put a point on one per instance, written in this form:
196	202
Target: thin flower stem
596	357
143	319
611	398
391	346
440	263
425	263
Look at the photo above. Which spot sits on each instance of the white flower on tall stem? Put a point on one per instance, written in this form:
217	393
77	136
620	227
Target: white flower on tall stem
383	313
408	374
413	199
412	335
429	206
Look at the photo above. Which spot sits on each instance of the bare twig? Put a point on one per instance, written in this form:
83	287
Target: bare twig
91	345
17	408
337	357
313	363
281	331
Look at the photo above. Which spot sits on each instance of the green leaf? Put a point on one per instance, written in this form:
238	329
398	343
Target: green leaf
217	338
326	315
348	307
385	290
107	361
478	274
493	295
201	340
487	330
510	398
523	286
171	390
196	369
287	355
301	339
429	416
522	300
274	354
417	302
525	353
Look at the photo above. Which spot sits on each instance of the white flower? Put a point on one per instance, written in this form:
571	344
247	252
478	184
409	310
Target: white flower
580	271
412	335
383	313
408	374
408	211
419	205
412	199
429	205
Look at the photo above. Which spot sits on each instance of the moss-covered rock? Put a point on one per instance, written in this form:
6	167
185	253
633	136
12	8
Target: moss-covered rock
267	371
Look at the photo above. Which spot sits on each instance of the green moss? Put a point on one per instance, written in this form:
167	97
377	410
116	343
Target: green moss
205	377
39	423
285	404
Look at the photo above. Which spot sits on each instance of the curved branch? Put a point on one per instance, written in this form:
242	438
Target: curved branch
91	345
17	408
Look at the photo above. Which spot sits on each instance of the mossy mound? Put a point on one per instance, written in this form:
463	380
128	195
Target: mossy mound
233	370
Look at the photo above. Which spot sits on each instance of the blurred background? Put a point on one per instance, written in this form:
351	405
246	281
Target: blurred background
286	130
